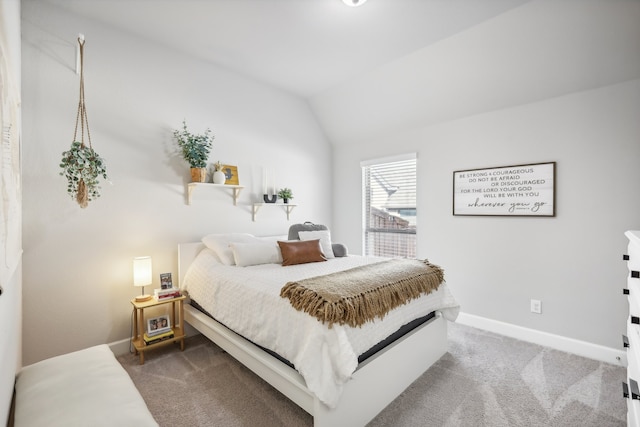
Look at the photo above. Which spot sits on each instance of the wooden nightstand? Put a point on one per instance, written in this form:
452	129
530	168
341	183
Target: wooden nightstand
177	324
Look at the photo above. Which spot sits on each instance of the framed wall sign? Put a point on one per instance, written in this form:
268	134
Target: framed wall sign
521	190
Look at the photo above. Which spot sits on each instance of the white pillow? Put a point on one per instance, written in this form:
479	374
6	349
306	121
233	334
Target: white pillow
272	239
246	254
325	240
219	243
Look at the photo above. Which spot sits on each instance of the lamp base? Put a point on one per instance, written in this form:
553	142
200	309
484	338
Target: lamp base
142	298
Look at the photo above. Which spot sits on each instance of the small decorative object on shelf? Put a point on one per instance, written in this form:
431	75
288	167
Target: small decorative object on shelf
268	187
165	294
81	165
148	340
218	174
285	194
165	281
195	149
158	326
231	175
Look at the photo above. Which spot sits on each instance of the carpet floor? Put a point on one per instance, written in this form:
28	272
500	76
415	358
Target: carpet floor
484	379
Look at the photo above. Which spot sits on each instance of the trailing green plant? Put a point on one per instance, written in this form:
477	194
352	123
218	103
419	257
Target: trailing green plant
194	148
285	193
83	167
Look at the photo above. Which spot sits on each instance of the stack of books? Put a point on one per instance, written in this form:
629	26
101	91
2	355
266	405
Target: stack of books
164	294
154	338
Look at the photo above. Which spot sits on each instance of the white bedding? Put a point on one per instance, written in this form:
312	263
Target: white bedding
247	300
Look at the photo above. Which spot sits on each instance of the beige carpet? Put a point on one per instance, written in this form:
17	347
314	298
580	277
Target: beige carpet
484	380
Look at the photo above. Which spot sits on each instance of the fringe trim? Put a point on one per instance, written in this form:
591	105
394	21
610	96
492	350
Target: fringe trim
83	194
358	300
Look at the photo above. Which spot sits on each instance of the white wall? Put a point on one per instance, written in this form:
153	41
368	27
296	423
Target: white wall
547	81
536	51
495	265
77	263
11	297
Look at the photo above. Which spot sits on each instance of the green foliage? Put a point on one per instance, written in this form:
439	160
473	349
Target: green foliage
82	163
285	193
194	148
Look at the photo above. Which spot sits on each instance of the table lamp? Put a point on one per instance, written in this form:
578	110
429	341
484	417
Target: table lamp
142	275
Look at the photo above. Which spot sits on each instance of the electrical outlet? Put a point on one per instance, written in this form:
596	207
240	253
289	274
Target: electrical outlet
536	306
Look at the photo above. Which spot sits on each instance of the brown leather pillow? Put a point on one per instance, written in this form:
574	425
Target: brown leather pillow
301	252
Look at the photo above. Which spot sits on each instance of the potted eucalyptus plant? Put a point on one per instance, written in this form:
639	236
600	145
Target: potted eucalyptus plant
285	194
82	167
195	149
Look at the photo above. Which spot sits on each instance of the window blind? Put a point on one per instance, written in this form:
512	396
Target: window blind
389	214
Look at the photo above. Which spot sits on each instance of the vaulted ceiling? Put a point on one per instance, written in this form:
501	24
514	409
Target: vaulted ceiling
393	64
302	46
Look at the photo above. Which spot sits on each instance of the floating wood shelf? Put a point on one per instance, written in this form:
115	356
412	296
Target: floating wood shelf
287	206
234	188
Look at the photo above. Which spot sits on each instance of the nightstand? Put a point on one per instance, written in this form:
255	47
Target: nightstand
177	324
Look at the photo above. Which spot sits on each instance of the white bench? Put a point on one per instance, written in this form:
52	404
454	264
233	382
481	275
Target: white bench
84	388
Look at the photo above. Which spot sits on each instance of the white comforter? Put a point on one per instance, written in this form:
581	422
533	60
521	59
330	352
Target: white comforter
247	300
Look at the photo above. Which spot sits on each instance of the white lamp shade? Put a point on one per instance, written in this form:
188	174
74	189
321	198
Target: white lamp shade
142	275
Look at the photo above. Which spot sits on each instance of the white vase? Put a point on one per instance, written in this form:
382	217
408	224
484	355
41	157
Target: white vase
219	177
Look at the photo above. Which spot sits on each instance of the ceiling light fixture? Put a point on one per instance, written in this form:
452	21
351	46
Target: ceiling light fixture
354	3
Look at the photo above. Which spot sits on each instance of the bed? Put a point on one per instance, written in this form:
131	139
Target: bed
328	381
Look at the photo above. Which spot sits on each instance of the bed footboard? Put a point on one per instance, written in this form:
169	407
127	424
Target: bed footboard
382	378
375	384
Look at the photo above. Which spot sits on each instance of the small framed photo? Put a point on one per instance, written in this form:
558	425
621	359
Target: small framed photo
165	281
231	175
158	325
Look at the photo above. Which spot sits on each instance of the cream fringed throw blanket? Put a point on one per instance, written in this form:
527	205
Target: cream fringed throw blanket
355	296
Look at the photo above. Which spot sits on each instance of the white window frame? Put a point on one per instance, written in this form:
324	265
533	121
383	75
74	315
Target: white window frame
395	246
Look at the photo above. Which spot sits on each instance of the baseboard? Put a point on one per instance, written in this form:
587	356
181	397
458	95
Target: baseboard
557	342
120	347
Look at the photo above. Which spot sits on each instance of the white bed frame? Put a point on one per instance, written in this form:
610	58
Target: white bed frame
375	384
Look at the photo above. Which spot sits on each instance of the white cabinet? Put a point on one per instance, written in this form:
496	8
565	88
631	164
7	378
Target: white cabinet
632	339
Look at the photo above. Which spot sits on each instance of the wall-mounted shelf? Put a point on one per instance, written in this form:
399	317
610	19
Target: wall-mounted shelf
234	188
287	206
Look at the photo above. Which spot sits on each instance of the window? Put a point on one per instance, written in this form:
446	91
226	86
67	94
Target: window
389	217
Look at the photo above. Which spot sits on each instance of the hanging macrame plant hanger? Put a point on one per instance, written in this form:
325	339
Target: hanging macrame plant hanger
81	165
83	196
